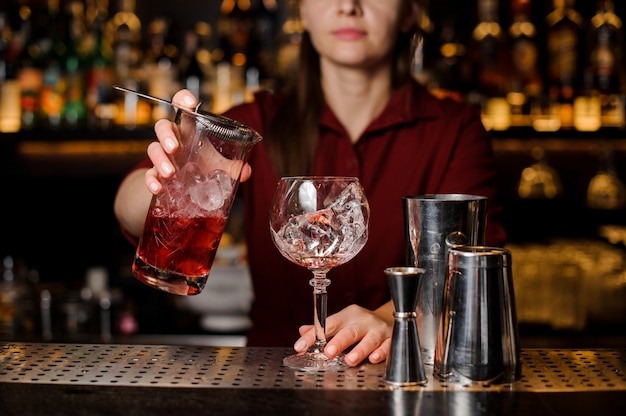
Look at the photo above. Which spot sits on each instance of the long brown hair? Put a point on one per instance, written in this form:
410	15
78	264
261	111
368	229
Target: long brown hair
292	134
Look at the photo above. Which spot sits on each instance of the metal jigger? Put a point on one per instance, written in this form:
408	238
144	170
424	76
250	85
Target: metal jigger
405	366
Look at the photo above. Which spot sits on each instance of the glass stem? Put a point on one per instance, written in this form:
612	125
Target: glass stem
319	284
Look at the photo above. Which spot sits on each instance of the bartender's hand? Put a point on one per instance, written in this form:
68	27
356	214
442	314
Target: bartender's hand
167	144
369	331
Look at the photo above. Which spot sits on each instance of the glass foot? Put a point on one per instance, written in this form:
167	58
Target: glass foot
315	361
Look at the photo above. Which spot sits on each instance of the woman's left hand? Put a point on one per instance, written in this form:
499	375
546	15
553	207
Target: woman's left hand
367	330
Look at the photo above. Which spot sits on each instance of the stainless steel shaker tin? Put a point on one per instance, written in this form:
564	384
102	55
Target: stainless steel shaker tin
432	223
478	335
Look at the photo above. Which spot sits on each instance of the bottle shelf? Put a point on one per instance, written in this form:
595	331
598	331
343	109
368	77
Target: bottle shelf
119	141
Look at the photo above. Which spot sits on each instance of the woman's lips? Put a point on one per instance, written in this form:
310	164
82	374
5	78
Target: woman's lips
349	34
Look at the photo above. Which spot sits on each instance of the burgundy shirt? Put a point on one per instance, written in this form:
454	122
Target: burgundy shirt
418	145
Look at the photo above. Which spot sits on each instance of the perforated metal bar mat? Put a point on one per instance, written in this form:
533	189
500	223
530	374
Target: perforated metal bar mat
543	370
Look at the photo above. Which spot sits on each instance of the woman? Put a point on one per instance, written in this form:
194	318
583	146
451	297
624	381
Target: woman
354	110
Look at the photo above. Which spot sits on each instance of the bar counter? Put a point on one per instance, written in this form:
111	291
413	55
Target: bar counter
123	379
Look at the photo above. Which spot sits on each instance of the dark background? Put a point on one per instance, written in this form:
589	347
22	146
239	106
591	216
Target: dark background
56	212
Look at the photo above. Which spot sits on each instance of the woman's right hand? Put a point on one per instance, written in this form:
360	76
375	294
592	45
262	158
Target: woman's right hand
167	144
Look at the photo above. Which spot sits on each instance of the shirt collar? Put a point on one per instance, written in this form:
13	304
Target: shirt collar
408	103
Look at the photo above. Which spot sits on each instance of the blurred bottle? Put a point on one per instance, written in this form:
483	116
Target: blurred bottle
160	65
228	87
605	48
17	305
288	43
452	67
264	40
5	33
605	62
489	59
31	63
564	64
124	28
52	96
488	54
234	28
195	61
10	112
127	323
100	71
98	299
421	43
75	111
525	81
233	54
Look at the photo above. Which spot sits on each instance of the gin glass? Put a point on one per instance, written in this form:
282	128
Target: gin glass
319	222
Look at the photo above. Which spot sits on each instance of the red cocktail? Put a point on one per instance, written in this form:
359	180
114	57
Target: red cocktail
181	261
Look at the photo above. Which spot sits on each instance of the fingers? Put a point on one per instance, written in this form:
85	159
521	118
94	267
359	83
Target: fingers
185	99
371	348
371	339
164	130
152	182
307	338
354	326
159	159
157	152
246	172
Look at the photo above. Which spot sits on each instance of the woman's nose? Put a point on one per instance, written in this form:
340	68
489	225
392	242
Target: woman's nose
349	7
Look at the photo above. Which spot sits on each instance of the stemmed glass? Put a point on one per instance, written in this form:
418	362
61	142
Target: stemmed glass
605	189
539	180
319	222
